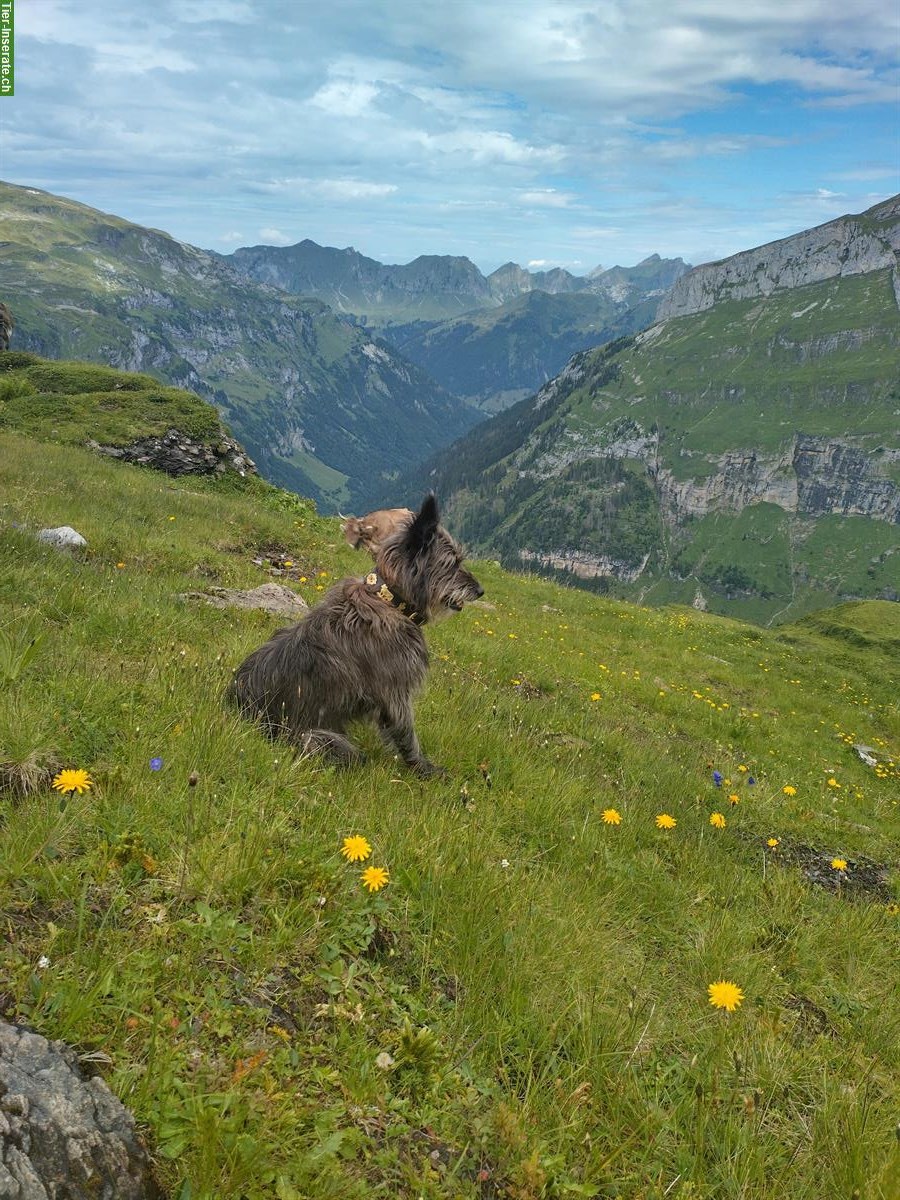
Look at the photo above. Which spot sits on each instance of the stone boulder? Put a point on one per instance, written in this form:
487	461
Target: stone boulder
63	537
178	454
61	1133
272	598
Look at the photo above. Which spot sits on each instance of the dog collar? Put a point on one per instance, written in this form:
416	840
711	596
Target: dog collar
379	588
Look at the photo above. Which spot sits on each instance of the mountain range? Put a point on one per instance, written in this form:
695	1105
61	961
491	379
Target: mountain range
283	339
323	406
433	287
741	453
727	436
489	339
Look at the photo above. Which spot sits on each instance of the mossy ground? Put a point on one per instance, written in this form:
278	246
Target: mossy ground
209	950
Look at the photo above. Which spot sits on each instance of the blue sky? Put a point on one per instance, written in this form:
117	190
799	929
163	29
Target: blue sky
547	132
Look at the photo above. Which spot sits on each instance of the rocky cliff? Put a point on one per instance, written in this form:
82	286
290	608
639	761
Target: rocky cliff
851	245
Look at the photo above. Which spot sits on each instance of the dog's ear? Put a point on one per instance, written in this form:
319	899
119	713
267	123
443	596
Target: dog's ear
421	533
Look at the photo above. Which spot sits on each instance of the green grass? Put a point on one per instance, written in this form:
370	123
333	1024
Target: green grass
330	482
209	940
73	401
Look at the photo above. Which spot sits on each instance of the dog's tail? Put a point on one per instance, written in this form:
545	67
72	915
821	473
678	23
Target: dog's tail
333	745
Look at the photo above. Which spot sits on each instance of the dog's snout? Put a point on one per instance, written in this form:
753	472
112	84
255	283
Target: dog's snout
479	591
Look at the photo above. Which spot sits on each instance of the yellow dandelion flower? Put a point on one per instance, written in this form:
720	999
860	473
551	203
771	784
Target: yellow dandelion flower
374	878
664	821
832	782
725	995
611	817
773	842
839	864
734	799
356	849
789	791
73	781
743	770
717	820
595	695
892	910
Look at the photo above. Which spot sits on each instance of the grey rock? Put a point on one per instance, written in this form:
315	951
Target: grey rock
63	537
272	598
63	1135
176	453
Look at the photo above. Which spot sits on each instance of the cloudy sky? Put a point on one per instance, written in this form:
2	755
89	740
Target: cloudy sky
549	132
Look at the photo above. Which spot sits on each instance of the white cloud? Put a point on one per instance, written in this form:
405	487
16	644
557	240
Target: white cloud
344	97
231	238
546	198
327	189
123	58
490	146
274	237
491	128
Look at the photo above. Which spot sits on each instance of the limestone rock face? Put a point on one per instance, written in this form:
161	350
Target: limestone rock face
847	246
177	454
814	475
61	1134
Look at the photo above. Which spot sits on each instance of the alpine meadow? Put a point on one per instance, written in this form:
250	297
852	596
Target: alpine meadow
449	600
641	942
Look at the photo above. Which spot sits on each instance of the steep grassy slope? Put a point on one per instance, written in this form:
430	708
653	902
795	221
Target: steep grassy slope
522	1012
745	455
321	406
75	402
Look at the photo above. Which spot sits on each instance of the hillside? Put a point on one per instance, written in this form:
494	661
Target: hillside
322	406
742	457
497	357
523	1011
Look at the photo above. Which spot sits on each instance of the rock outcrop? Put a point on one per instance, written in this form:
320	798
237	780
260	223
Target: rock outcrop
177	454
272	598
815	476
852	245
61	1133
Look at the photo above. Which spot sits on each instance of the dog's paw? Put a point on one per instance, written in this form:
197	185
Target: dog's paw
429	770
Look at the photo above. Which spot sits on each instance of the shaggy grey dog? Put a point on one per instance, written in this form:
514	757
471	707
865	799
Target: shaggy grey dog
360	653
